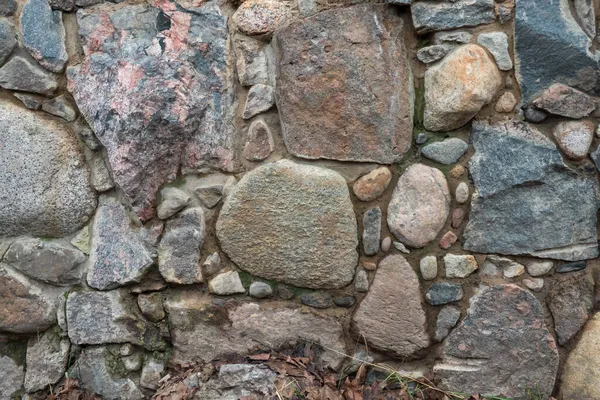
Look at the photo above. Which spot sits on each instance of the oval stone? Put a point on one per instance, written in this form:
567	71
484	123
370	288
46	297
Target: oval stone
292	223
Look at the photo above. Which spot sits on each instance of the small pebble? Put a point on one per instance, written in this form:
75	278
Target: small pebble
535	115
535	284
462	193
513	270
490	269
571	267
369	265
459	265
458	216
421	138
212	264
428	267
284	292
446	320
260	290
386	243
448	240
346	301
506	103
317	300
372	185
400	246
361	282
457	171
443	293
226	283
132	362
539	268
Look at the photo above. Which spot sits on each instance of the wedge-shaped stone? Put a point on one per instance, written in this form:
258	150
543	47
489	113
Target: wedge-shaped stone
345	94
292	223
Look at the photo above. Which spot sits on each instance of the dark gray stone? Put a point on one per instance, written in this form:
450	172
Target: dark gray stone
446	152
346	301
63	5
44	34
21	74
446	320
456	37
118	255
528	201
541	25
8	39
535	115
108	317
571	303
8	7
43	176
443	293
317	300
501	348
371	231
61	107
54	262
431	15
571	267
31	101
432	53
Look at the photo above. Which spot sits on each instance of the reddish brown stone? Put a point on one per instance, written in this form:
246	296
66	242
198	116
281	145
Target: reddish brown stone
458	216
372	185
448	240
260	141
563	100
345	94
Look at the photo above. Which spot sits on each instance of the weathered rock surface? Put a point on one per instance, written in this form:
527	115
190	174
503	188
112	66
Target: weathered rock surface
563	100
520	355
21	74
446	320
583	365
446	152
542	25
506	103
97	369
179	93
538	207
8	39
455	37
179	249
419	206
43	34
47	356
251	61
307	236
433	53
51	196
459	266
27	306
261	17
108	317
204	331
571	303
458	87
8	8
211	189
151	306
61	107
372	185
574	138
54	262
226	283
431	15
497	44
260	99
260	144
152	372
392	317
444	293
118	254
371	231
12	377
346	95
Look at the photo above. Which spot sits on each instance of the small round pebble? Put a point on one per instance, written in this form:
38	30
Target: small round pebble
513	270
539	268
462	193
428	267
346	301
361	282
535	284
386	244
317	300
448	240
369	265
535	115
457	171
284	292
260	290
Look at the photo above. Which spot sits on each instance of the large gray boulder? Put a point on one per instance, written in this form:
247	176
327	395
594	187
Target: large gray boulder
551	46
501	348
43	176
178	90
527	200
292	223
345	94
202	330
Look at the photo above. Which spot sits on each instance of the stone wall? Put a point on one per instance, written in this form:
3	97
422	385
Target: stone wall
184	181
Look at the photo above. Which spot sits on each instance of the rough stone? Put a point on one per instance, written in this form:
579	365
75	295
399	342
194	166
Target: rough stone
391	317
43	34
583	365
12	378
571	267
307	236
63	5
31	101
53	261
81	240
118	254
497	44
250	327
571	303
8	39
96	371
260	144
361	282
27	306
513	270
458	216
51	196
539	268
458	87
506	103
574	138
535	284
151	306
372	185
173	200
584	10
521	356
419	206
429	267
212	264
462	193
81	129
261	17
152	372
514	195
260	99
433	53
456	37
317	300
448	240
460	266
505	11
260	290
211	189
21	74
371	231
47	356
180	100
8	8
431	15
386	244
563	100
132	362
371	118
539	26
446	152
443	293
99	173
535	115
251	61
446	320
108	317
152	282
60	107
226	283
